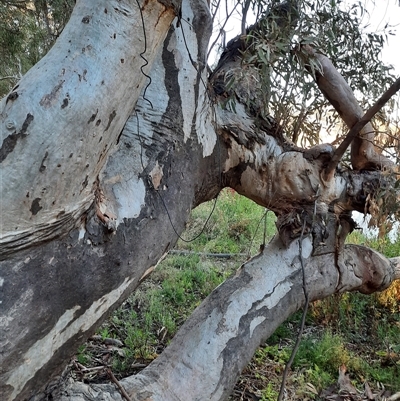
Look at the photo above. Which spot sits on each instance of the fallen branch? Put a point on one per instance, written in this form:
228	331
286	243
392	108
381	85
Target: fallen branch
394	397
207	254
9	77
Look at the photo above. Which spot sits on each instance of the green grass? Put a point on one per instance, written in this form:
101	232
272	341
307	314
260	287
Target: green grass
151	316
236	226
359	331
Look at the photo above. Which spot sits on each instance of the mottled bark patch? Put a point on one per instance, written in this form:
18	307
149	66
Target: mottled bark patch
156	175
110	119
10	142
173	115
93	117
35	207
43	166
64	103
48	99
85	183
12	96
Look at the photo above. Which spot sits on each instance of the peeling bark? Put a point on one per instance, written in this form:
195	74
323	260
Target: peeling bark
86	65
55	293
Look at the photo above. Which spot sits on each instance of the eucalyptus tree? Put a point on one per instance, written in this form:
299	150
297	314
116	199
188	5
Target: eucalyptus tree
112	138
27	31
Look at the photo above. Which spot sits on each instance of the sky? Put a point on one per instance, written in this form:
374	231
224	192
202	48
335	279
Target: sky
381	13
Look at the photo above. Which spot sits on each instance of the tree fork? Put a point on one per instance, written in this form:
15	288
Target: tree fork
339	94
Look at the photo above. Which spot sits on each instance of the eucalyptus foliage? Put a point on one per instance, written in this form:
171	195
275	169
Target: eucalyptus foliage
336	29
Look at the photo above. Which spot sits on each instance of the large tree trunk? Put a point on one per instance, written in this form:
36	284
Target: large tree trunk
67	109
79	234
97	181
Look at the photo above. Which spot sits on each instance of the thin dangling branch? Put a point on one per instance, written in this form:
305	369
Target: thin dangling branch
303	318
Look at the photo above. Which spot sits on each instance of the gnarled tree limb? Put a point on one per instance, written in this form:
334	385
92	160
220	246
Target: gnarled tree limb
338	92
217	341
358	126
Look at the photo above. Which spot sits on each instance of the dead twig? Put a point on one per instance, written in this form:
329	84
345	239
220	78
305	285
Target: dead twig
394	397
95	368
303	319
118	384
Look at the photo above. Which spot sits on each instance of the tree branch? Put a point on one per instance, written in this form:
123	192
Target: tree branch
395	262
118	384
339	94
9	77
245	9
366	118
220	337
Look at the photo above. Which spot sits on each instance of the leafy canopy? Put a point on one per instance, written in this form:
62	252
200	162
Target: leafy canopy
28	29
335	28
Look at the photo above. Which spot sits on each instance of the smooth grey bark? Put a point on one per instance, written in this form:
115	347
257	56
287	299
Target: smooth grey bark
69	107
54	293
96	180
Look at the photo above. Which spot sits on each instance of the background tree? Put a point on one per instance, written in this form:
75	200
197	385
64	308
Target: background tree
100	171
27	31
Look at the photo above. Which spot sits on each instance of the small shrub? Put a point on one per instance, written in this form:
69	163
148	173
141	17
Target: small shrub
269	393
